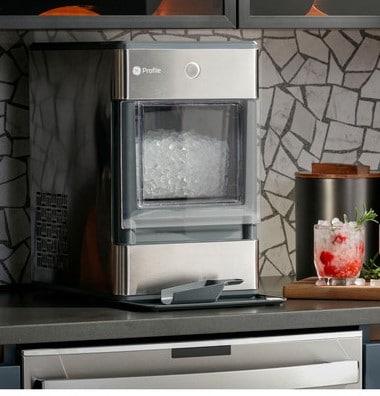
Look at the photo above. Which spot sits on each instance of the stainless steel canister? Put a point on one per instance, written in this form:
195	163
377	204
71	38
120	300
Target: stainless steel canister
328	191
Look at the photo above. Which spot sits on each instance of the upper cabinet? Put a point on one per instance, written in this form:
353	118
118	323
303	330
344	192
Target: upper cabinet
309	13
187	14
117	14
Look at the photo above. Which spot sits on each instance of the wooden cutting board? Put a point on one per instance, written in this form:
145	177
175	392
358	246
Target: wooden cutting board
307	289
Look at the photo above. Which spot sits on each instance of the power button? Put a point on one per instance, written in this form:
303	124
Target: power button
192	70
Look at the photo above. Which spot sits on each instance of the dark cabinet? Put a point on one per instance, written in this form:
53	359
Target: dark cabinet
185	14
309	13
118	14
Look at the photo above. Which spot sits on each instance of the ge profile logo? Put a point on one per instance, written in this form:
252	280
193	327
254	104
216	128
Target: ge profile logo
136	70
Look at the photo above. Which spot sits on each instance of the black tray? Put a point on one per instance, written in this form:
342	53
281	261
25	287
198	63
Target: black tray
226	300
152	302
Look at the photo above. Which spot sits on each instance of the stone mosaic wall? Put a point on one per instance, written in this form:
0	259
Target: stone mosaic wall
319	101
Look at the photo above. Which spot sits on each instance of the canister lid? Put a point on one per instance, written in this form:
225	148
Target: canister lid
330	170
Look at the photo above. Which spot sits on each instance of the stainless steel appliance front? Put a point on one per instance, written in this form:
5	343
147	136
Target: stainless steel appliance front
316	360
143	164
143	269
200	71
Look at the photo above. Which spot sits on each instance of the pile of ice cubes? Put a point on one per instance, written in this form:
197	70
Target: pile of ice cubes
183	164
336	222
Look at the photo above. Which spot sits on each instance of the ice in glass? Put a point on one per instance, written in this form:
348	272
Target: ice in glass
338	251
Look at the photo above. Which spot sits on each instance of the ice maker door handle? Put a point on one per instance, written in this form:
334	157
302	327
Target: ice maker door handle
291	377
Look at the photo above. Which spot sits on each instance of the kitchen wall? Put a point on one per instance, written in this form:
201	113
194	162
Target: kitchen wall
319	101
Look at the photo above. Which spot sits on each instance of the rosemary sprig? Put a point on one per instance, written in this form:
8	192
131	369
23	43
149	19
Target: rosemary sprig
371	269
366	215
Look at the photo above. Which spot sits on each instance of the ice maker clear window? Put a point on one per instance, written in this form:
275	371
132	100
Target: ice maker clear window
189	153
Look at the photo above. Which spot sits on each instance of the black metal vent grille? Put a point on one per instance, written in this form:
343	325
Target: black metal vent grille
51	230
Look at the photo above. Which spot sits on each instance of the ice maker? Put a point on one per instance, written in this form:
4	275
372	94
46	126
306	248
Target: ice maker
143	164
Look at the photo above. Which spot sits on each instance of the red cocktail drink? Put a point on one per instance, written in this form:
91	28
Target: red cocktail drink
338	251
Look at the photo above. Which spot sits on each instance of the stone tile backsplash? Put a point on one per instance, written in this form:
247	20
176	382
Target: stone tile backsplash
319	102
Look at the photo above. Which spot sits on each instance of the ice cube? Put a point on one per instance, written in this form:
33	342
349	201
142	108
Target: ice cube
359	282
336	222
353	224
323	222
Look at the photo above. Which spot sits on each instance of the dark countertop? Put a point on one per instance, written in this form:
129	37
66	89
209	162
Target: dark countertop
39	316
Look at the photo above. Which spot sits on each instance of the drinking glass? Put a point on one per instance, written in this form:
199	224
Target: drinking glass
339	252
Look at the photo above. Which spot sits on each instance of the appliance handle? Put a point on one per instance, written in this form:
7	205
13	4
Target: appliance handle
291	377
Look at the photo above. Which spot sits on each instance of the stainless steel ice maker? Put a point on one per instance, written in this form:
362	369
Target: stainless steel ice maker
143	164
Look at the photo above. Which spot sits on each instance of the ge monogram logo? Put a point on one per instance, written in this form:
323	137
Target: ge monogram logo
136	70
